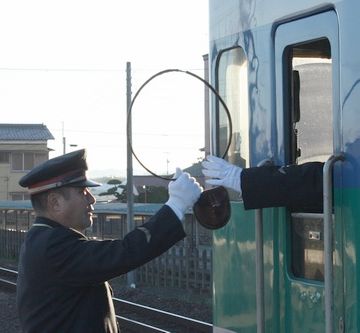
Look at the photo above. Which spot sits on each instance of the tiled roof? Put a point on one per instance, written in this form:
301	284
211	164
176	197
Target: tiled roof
24	132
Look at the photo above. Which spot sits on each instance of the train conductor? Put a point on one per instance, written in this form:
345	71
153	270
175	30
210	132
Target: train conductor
62	283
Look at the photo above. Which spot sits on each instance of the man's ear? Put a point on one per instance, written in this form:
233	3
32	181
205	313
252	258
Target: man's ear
54	202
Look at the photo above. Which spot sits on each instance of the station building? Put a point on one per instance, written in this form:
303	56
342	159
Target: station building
22	147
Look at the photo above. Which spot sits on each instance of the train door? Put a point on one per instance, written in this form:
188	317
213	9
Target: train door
307	113
233	259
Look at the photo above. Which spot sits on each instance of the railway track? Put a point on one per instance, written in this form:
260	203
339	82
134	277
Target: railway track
7	277
134	317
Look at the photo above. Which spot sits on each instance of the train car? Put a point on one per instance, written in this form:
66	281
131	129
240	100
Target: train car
289	72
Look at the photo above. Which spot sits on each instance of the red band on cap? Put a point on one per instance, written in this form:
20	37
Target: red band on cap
57	181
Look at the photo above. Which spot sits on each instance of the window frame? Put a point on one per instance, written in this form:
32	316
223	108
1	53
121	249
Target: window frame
242	81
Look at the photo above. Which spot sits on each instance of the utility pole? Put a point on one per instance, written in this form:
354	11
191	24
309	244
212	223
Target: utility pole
63	138
129	183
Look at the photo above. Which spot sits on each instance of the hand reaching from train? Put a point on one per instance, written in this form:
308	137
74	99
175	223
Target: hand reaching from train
221	172
184	191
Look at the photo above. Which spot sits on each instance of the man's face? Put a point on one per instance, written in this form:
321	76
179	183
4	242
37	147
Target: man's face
77	208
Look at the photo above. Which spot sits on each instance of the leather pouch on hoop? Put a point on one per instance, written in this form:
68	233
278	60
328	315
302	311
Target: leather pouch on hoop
213	209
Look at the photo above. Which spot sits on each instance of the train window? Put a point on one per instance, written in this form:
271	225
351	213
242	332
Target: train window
310	138
310	95
233	88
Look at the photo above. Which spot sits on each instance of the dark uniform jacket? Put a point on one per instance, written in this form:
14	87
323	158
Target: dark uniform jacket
62	274
298	187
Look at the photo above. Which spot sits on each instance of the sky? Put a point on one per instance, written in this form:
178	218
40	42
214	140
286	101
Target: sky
63	64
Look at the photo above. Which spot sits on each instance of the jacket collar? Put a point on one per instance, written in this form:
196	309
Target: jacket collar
43	221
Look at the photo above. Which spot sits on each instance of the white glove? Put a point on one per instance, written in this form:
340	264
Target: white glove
221	172
183	193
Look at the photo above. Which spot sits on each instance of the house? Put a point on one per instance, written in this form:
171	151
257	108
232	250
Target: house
22	146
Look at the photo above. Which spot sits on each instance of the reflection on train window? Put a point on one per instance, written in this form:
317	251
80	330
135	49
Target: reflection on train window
310	100
233	88
310	138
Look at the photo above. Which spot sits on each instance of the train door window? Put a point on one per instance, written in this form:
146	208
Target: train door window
232	83
310	96
309	131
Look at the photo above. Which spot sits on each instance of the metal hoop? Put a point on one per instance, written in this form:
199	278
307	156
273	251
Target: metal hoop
148	81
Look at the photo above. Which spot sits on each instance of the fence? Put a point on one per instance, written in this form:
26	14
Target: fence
10	241
187	265
180	267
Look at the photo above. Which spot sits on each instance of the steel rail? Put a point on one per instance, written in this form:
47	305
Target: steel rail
194	324
8	282
134	324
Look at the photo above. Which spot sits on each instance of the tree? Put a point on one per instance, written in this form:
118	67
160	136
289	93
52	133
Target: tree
118	190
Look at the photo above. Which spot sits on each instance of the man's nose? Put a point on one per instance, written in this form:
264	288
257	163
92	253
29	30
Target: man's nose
90	197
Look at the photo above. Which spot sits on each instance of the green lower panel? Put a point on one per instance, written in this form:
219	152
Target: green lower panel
234	273
349	267
292	304
304	310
